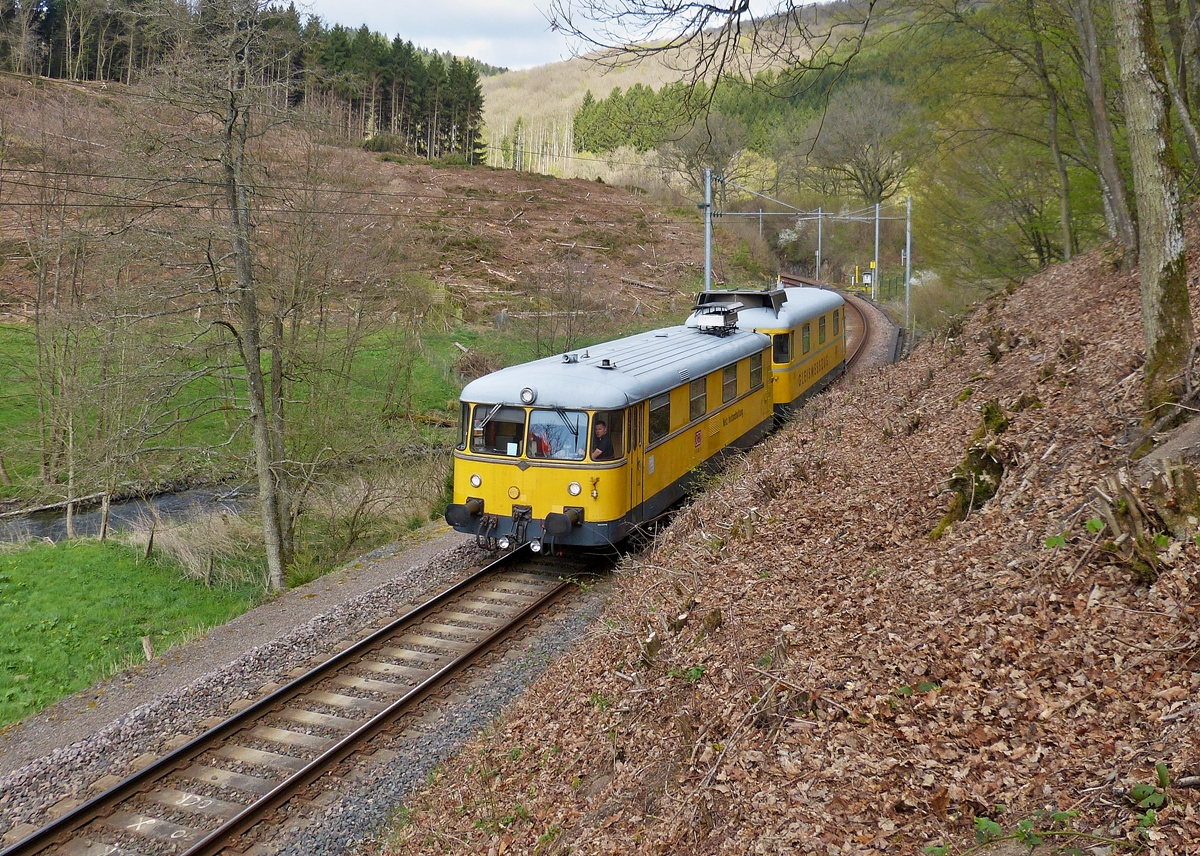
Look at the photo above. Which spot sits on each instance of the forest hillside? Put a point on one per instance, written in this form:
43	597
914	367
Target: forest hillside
814	658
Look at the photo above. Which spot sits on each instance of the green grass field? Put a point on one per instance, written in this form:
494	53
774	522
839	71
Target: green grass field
73	613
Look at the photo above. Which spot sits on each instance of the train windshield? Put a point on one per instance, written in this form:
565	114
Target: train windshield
560	434
498	430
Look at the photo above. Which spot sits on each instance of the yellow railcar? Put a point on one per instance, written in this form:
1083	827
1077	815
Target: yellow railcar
533	463
580	450
807	327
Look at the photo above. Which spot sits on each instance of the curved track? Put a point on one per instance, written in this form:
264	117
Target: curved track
858	327
858	343
197	800
207	792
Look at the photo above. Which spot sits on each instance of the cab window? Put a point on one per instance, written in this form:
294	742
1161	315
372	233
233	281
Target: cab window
783	347
660	416
607	442
756	363
558	434
497	430
729	384
836	323
464	423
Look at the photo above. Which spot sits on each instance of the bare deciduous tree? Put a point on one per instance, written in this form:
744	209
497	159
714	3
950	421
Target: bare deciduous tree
866	139
218	85
717	142
710	40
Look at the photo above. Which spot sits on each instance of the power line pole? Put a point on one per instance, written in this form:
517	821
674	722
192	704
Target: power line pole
819	221
875	273
707	206
907	261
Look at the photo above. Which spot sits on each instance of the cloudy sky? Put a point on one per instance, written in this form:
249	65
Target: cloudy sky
510	33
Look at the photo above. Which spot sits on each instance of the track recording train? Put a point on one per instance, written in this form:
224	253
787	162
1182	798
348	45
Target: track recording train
578	450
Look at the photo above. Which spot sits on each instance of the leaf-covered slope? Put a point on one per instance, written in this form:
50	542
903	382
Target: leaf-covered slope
822	677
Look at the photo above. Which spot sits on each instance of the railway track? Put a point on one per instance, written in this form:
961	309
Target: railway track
858	322
857	343
203	795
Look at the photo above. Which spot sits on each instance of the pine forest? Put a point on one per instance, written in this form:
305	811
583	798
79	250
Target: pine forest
390	93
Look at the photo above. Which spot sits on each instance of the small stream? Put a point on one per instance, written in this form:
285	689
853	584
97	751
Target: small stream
180	506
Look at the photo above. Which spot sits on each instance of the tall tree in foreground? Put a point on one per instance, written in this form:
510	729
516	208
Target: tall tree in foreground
1166	315
219	91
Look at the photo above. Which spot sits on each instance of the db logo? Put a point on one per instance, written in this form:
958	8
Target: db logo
697	439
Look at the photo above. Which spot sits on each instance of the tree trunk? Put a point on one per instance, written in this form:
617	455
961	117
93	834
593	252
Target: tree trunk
1060	168
1191	55
1112	180
250	341
278	447
1163	264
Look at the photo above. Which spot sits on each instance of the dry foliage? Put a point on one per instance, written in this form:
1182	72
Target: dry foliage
205	546
797	667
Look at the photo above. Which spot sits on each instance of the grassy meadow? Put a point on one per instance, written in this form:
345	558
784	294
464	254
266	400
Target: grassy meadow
74	613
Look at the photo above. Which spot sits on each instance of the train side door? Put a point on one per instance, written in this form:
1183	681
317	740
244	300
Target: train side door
635	436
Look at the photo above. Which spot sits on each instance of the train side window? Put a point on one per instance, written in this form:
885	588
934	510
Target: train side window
614	426
729	384
821	331
698	396
660	416
464	426
497	430
783	347
837	327
756	363
806	334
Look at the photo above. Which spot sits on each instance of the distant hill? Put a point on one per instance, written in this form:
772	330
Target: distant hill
545	99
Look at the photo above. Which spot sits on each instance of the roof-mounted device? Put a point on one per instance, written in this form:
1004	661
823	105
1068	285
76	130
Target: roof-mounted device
719	319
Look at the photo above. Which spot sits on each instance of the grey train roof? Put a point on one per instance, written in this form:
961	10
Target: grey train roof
639	367
778	309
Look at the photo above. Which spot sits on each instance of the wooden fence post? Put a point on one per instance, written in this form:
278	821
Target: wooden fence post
105	506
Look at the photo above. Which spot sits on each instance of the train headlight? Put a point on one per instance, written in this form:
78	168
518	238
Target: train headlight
514	492
535	545
504	542
574	489
528	395
476	481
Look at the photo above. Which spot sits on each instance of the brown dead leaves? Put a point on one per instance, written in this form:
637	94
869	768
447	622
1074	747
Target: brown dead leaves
867	689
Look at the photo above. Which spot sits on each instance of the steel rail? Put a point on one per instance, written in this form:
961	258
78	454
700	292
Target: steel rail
864	325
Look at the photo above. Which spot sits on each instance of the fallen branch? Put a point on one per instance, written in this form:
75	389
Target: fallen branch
21	512
649	285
